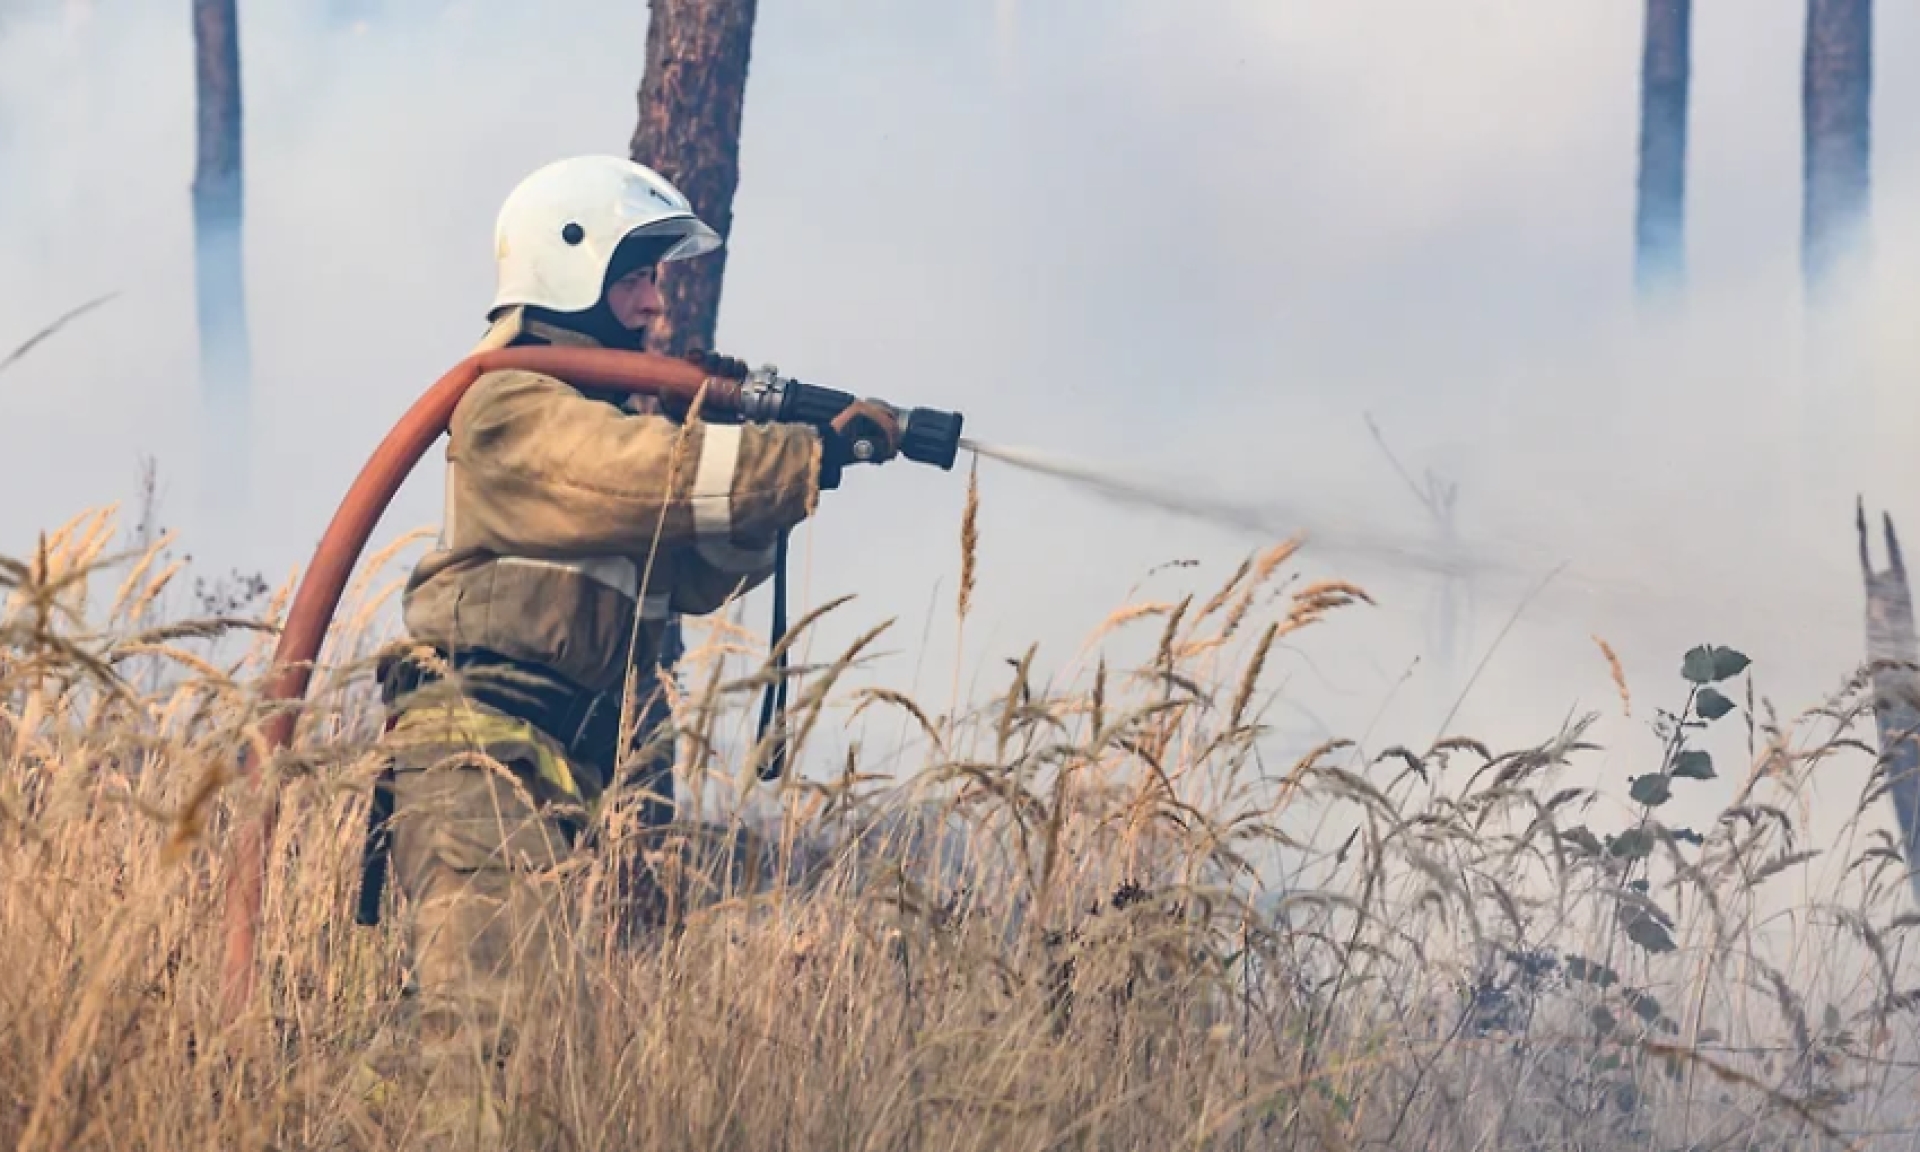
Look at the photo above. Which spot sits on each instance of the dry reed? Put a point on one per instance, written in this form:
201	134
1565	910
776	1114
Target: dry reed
1092	918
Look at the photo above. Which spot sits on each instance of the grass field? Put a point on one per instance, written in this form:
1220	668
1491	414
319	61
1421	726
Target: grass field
1095	914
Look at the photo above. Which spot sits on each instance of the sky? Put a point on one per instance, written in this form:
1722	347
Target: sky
1194	244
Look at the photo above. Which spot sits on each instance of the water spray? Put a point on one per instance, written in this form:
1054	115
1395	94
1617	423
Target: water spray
1269	518
1516	562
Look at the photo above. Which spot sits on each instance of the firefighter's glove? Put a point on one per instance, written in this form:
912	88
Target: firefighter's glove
867	432
714	364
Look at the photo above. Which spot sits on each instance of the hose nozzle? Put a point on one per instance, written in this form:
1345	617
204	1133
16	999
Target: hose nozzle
927	435
930	436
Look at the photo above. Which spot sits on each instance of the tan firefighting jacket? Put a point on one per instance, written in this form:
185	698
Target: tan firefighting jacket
566	513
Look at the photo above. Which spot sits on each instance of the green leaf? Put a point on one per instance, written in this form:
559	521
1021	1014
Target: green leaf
1652	791
1580	837
1632	845
1693	765
1647	932
1710	664
1688	836
1643	1005
1587	972
1711	705
1603	1020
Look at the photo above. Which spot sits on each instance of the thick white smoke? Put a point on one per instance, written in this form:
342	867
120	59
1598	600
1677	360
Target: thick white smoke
1196	247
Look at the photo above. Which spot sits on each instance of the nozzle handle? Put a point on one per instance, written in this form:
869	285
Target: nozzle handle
927	435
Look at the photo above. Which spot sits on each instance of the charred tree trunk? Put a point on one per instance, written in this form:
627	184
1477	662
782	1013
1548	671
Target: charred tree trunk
1893	652
689	131
1836	93
219	269
1660	220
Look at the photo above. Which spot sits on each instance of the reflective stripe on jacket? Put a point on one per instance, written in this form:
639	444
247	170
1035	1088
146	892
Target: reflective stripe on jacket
422	737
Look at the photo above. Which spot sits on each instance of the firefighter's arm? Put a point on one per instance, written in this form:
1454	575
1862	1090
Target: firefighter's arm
551	472
709	576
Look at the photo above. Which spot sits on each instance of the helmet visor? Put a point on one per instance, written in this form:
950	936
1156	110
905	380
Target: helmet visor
680	238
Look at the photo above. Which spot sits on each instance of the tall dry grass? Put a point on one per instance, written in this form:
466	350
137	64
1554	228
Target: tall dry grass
1095	912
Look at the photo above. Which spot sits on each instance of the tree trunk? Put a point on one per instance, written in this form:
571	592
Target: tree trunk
1837	88
689	131
219	272
1665	68
1894	652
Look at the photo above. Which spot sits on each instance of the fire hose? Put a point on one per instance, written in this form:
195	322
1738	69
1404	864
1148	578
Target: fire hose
928	436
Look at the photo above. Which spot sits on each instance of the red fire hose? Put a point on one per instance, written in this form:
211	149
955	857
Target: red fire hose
340	548
928	436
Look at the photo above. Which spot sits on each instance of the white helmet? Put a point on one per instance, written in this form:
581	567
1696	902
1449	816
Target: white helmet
559	227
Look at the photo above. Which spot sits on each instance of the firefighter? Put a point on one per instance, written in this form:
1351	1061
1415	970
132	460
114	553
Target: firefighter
578	528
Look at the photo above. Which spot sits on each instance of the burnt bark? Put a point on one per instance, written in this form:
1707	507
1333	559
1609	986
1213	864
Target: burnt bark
219	267
1665	71
691	98
1836	94
1893	654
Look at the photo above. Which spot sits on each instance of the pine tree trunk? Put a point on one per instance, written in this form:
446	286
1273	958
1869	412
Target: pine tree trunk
219	272
1837	88
1894	648
689	131
1665	67
220	292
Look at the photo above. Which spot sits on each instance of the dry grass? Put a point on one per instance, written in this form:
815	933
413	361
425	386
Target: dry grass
1067	928
1618	673
969	540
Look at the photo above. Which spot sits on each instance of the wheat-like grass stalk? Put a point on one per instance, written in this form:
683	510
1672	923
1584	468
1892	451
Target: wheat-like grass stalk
1095	916
125	604
1618	674
1243	695
969	540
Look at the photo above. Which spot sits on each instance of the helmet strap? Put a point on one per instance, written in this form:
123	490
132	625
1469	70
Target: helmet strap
597	324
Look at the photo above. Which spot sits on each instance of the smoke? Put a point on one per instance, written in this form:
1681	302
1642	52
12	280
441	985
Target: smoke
1188	248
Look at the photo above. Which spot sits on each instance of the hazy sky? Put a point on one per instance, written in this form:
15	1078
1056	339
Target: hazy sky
1196	241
